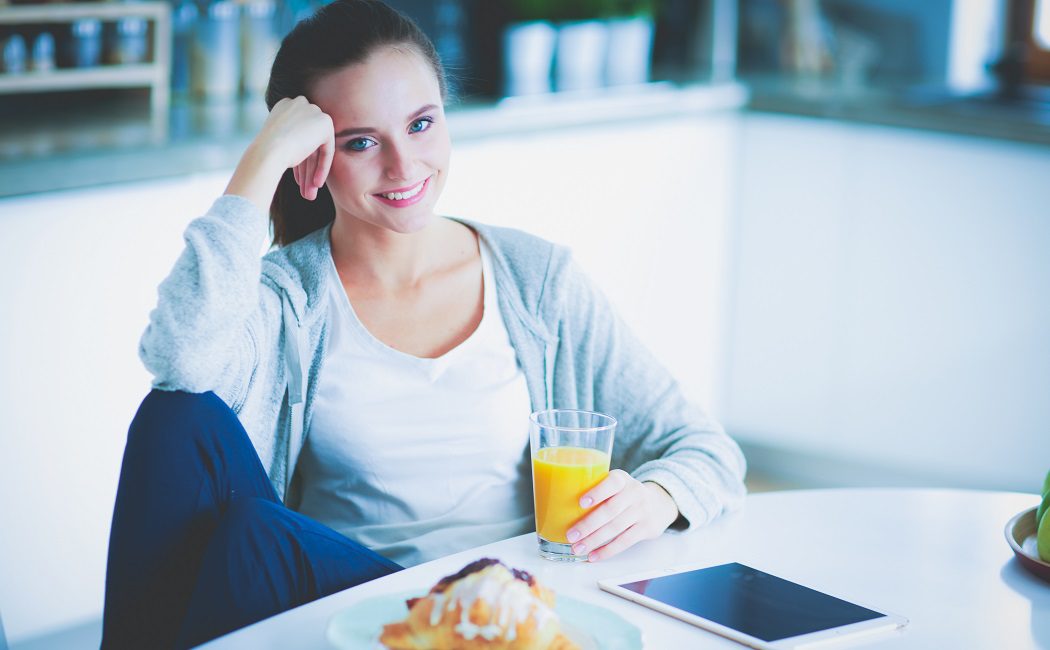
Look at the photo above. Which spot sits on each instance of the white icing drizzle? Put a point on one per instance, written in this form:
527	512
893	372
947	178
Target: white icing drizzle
510	599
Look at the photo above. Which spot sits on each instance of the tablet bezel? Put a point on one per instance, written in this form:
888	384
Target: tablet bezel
888	623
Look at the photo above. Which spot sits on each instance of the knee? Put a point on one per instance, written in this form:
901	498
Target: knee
176	414
165	403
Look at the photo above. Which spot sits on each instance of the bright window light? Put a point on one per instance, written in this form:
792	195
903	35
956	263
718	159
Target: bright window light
1042	24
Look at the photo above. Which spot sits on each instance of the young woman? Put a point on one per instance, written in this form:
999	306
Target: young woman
357	400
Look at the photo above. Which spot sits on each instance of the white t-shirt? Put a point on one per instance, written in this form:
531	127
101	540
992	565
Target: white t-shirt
418	458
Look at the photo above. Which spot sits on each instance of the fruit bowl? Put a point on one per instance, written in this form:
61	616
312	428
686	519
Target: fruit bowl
1020	534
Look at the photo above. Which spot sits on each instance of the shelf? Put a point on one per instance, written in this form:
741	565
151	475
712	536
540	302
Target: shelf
108	76
153	74
64	13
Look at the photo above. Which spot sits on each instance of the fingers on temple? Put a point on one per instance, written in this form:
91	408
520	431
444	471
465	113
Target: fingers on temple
308	177
327	154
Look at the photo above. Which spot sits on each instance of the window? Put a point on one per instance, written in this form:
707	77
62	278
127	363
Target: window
1042	24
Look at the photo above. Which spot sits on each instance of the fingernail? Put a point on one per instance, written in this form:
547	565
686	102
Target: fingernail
593	557
573	535
579	549
586	502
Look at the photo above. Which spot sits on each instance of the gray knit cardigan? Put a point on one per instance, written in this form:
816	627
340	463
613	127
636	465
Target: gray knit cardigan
254	330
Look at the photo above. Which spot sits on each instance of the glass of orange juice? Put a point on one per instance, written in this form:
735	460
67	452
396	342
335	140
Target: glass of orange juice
570	455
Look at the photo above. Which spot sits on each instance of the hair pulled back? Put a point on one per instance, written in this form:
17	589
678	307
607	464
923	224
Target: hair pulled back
339	34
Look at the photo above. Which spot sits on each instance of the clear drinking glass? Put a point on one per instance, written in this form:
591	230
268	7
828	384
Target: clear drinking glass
570	455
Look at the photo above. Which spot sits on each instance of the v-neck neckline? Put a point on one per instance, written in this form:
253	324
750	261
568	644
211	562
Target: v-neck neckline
432	365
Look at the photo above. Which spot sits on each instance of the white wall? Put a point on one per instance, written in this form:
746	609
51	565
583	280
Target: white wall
644	206
79	276
892	301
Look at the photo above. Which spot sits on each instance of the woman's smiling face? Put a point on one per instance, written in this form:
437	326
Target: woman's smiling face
392	146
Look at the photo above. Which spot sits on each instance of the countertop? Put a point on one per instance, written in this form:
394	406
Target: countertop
111	144
929	108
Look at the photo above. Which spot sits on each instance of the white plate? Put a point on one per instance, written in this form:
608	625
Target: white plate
589	626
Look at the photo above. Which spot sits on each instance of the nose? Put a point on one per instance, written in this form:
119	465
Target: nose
399	162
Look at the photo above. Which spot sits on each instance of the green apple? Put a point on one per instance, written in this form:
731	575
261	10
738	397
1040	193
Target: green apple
1043	538
1043	507
1046	483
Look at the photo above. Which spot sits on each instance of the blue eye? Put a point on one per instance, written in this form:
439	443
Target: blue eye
359	144
422	124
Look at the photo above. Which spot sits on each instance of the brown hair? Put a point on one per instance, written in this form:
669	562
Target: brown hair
339	34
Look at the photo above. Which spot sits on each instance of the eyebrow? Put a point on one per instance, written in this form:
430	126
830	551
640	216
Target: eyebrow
361	130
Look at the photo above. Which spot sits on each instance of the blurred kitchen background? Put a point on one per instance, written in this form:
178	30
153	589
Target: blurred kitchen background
831	220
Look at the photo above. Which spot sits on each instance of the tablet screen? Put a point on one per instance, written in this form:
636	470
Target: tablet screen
752	602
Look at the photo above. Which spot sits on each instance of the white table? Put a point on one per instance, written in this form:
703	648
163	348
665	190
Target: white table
937	557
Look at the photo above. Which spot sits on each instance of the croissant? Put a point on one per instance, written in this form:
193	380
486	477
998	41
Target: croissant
485	606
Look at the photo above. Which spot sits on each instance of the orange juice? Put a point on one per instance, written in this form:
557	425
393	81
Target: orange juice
560	476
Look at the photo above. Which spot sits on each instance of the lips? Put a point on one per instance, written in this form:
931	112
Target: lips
406	196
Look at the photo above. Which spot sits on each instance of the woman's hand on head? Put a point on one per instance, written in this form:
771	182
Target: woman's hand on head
296	134
303	138
627	512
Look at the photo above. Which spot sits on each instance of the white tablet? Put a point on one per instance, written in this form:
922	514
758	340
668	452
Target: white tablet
753	607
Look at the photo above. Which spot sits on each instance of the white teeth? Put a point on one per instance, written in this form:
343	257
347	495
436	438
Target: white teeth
401	196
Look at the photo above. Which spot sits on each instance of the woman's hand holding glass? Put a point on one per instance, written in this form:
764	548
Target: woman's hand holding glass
297	135
628	512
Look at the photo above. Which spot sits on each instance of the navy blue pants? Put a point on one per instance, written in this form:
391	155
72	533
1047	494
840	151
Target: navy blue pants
200	544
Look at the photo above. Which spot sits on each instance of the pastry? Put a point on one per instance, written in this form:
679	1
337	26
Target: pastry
485	606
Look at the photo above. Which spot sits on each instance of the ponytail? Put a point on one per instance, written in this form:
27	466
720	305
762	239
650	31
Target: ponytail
293	217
